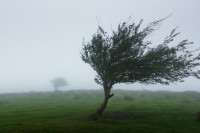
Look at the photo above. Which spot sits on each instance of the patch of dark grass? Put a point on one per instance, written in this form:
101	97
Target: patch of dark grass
117	116
3	102
77	97
185	101
128	98
123	116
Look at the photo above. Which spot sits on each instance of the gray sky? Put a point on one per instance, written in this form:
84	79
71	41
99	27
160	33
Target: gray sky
42	39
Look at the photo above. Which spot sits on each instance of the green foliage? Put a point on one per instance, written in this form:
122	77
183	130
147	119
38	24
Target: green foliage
126	56
60	113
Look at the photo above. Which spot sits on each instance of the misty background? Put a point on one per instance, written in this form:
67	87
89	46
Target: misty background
42	39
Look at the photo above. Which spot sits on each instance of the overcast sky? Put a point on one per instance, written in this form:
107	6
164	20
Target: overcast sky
42	39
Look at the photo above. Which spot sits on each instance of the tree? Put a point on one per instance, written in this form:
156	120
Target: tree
59	82
126	56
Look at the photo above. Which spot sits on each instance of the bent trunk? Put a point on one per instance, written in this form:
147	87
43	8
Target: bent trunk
100	110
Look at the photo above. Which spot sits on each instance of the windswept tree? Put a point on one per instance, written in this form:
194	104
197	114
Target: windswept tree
126	56
58	82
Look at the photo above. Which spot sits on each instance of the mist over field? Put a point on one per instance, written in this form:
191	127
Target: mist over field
42	39
96	66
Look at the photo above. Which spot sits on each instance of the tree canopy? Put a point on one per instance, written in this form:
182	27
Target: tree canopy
59	82
127	56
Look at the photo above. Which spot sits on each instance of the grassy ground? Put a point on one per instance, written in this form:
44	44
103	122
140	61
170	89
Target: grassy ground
127	111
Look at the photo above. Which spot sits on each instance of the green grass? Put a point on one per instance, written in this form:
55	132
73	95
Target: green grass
127	111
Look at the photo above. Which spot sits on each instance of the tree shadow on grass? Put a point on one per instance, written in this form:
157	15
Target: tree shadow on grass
122	116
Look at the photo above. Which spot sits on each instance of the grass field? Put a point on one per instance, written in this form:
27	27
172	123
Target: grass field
127	112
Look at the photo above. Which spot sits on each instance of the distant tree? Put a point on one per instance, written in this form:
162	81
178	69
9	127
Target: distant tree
126	56
59	82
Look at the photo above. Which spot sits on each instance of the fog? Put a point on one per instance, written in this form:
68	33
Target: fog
42	39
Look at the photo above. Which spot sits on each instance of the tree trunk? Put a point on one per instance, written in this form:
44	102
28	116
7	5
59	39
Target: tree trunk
100	110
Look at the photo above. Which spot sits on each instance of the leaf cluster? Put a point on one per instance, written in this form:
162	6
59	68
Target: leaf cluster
126	56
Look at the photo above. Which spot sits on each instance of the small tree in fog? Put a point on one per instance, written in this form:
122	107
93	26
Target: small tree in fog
126	56
59	82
